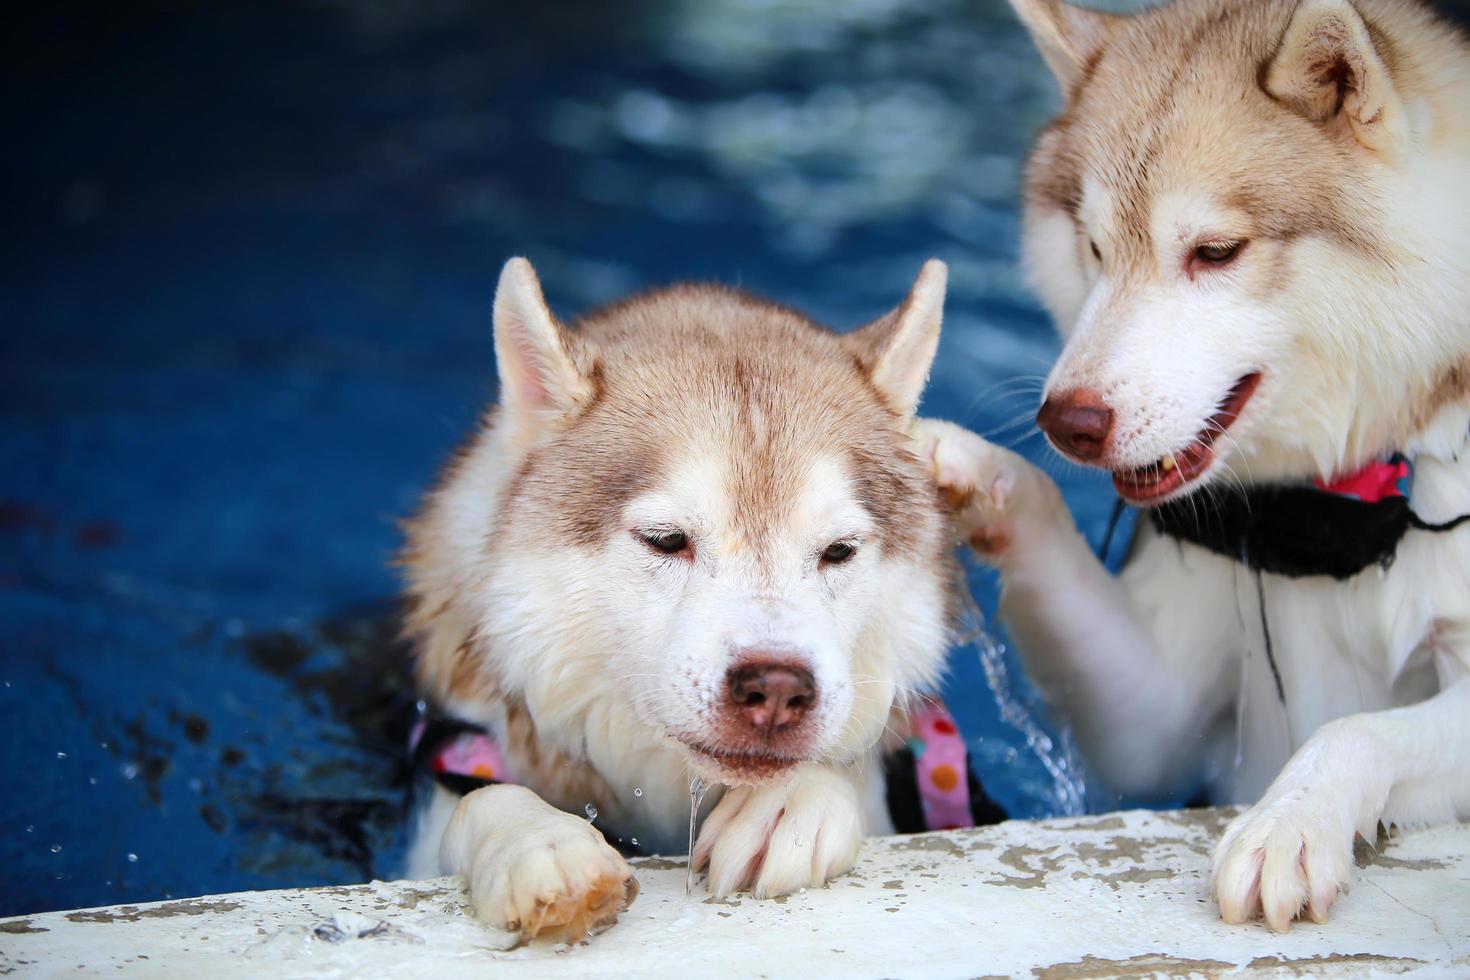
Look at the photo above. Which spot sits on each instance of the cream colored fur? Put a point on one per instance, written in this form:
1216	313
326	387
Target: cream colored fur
541	612
1212	119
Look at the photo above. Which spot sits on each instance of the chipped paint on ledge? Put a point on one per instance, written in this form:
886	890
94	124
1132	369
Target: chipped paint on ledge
1121	895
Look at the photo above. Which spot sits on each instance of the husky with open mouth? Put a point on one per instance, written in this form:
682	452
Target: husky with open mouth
692	540
1251	224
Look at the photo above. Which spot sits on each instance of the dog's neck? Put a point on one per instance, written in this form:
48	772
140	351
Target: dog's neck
1335	526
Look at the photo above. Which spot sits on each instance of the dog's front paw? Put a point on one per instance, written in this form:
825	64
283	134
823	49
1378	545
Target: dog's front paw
992	491
534	870
1292	853
773	840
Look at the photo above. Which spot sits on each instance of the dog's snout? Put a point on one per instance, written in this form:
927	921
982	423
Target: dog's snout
1078	422
771	695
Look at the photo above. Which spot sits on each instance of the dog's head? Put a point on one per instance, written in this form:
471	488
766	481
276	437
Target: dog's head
709	524
1243	228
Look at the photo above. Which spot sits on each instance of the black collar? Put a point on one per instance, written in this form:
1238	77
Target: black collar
1296	531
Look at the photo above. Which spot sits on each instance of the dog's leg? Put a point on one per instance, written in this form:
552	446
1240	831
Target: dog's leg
533	869
1292	852
1136	705
775	839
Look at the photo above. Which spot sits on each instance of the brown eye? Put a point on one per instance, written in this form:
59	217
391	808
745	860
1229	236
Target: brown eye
1096	252
838	552
1216	253
665	542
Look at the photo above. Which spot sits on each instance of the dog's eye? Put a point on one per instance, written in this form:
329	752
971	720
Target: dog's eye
665	542
838	552
1096	252
1216	253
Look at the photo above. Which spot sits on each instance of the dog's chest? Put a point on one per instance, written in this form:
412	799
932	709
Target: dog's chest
1289	654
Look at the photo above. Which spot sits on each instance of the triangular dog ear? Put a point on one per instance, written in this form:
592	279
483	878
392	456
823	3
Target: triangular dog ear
897	350
1329	69
538	376
1066	36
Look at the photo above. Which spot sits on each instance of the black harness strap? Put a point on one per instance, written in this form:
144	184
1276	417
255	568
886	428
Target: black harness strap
1421	524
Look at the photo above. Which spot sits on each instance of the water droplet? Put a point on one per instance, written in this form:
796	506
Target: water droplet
105	745
1057	757
61	755
130	771
591	811
30	828
132	858
637	790
55	848
92	780
798	841
697	789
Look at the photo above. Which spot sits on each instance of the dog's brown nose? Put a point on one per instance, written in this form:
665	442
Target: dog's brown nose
1078	423
771	696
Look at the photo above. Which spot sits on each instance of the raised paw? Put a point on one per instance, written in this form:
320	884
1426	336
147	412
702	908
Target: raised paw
991	490
1288	855
536	871
772	840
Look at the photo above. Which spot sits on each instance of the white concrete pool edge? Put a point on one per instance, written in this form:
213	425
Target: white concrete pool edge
1122	894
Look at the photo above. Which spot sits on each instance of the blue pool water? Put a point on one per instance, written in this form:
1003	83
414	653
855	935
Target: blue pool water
247	267
245	296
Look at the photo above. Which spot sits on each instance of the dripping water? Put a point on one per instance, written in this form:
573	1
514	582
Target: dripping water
697	788
1059	758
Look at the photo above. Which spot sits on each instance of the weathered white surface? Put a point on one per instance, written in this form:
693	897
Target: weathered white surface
1120	895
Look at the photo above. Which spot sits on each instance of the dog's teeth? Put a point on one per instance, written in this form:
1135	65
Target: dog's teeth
1168	463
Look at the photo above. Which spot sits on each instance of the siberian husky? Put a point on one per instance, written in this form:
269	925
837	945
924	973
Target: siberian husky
692	540
1251	225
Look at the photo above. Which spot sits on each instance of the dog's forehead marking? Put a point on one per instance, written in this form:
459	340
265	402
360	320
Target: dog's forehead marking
827	503
1202	125
786	473
1096	208
709	490
1177	216
705	371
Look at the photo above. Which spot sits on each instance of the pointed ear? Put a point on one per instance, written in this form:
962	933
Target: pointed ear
897	350
1329	70
533	353
1066	36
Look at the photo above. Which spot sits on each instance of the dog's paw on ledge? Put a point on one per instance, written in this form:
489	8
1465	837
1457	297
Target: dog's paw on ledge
773	840
535	872
1281	859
